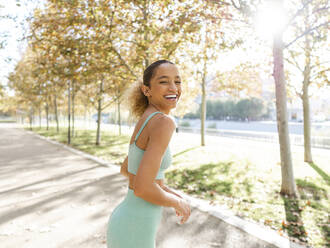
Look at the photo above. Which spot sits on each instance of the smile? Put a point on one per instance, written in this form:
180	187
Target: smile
171	97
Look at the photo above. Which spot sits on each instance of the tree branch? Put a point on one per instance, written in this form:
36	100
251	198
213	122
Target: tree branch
305	33
108	104
298	12
294	62
219	2
324	62
235	6
315	75
123	62
320	9
299	94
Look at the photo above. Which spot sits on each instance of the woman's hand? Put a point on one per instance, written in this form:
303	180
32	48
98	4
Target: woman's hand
182	209
167	189
176	212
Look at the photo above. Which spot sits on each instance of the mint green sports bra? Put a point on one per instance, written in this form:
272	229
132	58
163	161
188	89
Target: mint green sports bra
135	154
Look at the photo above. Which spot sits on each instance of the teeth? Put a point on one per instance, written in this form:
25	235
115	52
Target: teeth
170	96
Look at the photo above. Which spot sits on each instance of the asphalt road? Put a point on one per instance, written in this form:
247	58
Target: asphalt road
52	197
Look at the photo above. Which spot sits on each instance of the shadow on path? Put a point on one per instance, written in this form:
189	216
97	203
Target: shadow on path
55	199
323	174
294	224
59	177
184	151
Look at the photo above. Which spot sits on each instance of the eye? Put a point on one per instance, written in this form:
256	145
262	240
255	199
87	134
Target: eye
178	82
163	82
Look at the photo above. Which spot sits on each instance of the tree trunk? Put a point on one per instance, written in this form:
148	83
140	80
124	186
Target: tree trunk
307	124
203	106
73	98
47	114
305	97
288	186
69	112
146	31
31	118
56	113
99	112
119	120
39	116
85	116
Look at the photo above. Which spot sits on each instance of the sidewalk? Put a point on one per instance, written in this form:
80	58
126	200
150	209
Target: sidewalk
53	197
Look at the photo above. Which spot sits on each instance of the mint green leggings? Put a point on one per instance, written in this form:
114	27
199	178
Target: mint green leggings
133	223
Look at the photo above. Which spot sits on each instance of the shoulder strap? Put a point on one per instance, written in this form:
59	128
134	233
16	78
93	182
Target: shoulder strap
145	123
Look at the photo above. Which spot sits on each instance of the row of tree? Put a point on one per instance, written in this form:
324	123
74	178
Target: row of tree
249	109
85	54
89	52
308	22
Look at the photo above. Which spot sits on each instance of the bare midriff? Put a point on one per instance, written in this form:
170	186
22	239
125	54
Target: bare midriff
131	178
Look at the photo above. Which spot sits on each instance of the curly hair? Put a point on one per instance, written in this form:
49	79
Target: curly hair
138	101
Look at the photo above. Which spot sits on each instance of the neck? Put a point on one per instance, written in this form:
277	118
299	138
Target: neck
157	108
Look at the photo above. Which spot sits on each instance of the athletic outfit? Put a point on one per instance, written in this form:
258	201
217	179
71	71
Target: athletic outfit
134	222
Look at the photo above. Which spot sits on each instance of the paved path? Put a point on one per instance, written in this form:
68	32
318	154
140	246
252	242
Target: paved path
52	197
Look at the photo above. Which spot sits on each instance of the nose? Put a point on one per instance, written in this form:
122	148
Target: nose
173	86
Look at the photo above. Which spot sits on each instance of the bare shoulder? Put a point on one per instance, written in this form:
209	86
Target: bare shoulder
163	123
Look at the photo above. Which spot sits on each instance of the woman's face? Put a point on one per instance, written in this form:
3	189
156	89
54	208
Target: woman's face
165	87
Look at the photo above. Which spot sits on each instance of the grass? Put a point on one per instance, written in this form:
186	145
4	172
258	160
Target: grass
7	121
243	175
112	148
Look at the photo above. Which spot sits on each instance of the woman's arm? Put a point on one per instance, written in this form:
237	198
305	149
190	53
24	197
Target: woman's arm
160	133
123	168
167	189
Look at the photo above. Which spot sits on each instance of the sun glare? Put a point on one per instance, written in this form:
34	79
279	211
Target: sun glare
270	19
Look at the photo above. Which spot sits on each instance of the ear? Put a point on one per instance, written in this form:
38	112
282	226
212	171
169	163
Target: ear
145	90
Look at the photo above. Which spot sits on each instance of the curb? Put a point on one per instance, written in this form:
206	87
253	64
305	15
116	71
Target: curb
263	233
220	212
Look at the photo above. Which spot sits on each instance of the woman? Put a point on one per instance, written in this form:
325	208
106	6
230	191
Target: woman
134	222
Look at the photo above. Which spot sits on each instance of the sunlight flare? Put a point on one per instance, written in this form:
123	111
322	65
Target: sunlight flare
271	18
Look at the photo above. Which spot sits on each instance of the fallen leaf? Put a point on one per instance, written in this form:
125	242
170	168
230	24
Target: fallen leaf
267	222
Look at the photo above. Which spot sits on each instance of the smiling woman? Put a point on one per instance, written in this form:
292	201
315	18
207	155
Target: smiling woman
148	158
143	94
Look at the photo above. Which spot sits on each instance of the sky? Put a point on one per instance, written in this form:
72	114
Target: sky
14	27
9	28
